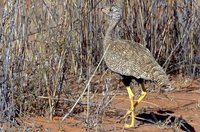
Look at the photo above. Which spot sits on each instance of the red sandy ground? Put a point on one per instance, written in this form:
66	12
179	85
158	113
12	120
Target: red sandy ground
185	104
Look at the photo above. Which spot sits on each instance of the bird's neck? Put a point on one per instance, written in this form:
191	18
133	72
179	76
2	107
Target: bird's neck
109	31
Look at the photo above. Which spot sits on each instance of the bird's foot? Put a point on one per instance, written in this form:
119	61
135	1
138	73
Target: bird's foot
126	115
131	114
129	126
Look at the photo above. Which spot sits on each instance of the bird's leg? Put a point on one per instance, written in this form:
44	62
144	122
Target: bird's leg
133	105
131	110
143	94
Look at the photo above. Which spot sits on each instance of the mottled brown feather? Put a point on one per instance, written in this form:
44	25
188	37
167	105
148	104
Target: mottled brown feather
130	58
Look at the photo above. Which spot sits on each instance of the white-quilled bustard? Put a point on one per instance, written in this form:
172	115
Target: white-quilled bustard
132	61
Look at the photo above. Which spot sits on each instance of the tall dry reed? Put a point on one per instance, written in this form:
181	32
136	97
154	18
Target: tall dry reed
48	47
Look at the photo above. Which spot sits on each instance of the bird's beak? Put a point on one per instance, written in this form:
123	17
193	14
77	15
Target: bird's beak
103	10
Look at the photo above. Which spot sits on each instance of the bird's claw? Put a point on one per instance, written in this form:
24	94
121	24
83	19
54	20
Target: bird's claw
129	113
128	125
126	115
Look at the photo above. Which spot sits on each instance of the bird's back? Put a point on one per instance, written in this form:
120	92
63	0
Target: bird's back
133	59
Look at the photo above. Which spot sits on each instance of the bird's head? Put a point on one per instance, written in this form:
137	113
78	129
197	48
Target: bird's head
114	12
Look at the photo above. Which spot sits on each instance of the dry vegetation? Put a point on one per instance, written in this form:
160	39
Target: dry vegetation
50	49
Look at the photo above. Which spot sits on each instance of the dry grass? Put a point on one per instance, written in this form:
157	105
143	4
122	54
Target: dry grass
51	48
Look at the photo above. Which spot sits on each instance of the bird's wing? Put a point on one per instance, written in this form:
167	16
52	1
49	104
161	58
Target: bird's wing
130	59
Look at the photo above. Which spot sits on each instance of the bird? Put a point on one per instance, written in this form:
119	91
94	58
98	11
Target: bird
131	60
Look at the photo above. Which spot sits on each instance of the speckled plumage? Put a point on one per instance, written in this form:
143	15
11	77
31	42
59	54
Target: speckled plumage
130	58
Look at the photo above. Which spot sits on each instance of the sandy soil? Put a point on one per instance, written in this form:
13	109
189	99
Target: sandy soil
184	105
180	108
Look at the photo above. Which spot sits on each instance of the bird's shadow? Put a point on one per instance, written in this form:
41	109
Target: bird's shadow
165	118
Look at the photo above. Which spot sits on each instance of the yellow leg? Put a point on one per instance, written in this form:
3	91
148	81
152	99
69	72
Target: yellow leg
133	105
143	94
132	109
